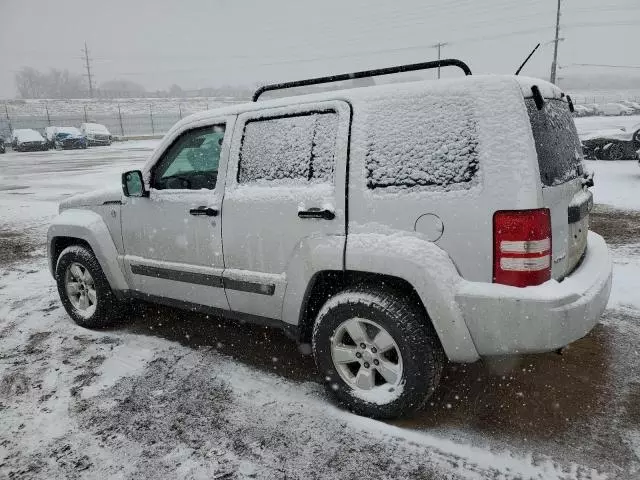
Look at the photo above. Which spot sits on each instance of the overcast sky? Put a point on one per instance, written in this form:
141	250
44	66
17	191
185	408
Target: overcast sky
199	43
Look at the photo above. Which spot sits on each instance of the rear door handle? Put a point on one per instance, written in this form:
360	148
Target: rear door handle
317	213
205	211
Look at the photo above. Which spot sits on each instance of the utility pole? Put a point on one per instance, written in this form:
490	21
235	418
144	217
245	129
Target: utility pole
554	65
439	46
87	65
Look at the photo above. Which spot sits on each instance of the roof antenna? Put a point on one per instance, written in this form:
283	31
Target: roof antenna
527	59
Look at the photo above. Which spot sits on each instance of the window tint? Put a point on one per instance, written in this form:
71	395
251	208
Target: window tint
192	161
557	142
298	148
422	144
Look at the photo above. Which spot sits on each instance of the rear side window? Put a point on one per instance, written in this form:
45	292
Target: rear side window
557	143
428	143
292	149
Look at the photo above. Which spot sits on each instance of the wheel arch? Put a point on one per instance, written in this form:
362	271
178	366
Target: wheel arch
87	228
324	284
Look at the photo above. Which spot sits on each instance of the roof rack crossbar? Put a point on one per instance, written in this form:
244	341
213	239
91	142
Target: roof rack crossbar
450	62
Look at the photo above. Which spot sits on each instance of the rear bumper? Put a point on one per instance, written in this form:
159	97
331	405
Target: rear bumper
509	320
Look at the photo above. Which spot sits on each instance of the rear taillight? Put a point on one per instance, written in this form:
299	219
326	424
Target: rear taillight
522	247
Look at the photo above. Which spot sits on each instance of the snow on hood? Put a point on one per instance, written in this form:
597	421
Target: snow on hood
28	135
610	134
92	198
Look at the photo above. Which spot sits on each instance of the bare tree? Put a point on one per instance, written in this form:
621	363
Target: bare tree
32	83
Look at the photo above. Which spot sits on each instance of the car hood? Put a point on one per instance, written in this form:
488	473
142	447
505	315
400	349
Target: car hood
612	134
99	197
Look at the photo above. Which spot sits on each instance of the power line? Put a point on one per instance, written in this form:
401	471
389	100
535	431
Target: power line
603	65
87	65
554	64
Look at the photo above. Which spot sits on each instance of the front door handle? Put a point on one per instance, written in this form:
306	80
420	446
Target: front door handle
205	211
317	213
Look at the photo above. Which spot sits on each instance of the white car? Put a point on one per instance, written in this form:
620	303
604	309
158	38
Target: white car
49	135
614	109
581	111
27	139
635	106
96	134
391	227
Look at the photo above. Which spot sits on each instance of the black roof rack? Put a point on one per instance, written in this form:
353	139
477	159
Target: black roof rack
450	62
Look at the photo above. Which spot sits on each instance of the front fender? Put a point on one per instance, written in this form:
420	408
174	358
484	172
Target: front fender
88	226
429	270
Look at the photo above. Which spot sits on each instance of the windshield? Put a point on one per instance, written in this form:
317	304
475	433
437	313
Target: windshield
557	143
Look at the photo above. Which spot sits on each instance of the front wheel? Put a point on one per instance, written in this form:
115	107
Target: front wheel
377	351
84	290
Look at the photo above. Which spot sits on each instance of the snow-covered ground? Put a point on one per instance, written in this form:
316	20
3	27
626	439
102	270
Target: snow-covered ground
181	395
617	183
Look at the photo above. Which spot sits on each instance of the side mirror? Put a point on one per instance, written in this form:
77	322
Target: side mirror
133	185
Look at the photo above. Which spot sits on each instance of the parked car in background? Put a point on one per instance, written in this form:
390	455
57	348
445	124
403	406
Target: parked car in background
615	144
27	139
614	109
69	137
635	106
582	111
96	134
49	134
2	147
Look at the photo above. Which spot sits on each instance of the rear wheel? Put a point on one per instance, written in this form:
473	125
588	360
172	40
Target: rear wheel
84	289
378	353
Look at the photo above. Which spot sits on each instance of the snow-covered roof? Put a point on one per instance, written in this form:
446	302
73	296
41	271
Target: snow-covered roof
27	135
473	85
95	128
548	90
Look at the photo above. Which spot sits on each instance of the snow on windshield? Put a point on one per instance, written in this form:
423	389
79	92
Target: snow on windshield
429	142
68	130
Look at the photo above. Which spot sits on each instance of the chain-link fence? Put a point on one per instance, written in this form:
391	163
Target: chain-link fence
143	117
129	119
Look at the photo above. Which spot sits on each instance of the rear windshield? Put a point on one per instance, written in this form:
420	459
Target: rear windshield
557	142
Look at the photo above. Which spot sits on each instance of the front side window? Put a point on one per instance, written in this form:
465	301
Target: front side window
293	149
191	163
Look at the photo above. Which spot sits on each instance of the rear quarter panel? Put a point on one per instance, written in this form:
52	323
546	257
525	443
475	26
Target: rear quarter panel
507	176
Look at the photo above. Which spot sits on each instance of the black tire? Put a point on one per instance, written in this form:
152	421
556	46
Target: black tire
615	152
422	356
109	311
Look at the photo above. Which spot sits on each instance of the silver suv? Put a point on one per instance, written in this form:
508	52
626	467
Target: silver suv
391	227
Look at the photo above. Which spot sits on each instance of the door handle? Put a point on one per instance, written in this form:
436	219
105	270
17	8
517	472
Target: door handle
205	211
317	213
